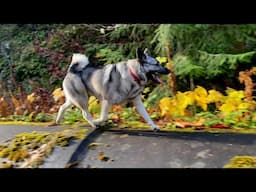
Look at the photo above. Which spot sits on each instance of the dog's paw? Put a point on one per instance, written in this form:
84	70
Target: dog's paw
156	129
97	126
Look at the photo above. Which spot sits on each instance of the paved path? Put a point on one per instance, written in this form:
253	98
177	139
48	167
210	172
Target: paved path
133	149
145	149
60	155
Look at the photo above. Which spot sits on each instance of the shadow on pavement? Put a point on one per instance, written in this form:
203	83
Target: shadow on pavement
244	139
81	151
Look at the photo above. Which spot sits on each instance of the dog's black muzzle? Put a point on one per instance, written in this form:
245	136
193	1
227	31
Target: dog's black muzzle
164	71
154	77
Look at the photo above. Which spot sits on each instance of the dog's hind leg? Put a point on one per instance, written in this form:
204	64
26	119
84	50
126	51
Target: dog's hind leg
81	102
105	106
62	109
88	117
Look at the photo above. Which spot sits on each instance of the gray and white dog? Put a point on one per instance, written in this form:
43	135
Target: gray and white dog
110	84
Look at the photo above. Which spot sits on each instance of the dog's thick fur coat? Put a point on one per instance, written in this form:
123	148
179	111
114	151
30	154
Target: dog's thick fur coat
111	84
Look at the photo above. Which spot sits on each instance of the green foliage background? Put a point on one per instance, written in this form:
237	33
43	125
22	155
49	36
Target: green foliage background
210	55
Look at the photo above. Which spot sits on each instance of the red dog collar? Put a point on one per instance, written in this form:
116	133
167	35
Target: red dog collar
134	76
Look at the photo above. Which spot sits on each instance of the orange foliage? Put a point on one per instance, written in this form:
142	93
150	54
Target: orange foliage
172	78
245	77
117	108
4	108
39	101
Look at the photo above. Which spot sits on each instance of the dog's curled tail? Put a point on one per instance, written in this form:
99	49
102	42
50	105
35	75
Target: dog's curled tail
78	62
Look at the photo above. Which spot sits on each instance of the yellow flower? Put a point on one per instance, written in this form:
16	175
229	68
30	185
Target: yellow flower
214	96
161	59
166	105
170	106
200	91
227	108
191	97
184	99
200	95
31	97
237	95
202	104
243	106
57	94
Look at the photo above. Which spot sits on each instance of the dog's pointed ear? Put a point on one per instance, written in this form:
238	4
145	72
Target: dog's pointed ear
140	55
147	52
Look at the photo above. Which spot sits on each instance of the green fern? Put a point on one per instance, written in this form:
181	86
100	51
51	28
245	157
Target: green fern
110	56
219	64
186	66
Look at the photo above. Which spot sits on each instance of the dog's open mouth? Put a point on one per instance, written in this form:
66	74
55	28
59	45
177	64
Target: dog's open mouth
154	77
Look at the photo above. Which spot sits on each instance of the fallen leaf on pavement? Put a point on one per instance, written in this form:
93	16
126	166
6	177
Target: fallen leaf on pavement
94	145
124	136
51	124
184	124
103	157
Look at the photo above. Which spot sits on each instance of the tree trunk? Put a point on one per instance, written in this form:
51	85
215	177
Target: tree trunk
192	87
192	84
171	80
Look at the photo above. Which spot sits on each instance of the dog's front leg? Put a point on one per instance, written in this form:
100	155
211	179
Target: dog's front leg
105	106
141	109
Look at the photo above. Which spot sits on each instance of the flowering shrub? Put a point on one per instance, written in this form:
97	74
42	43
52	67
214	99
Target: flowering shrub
232	104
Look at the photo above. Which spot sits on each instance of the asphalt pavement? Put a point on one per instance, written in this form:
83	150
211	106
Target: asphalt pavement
124	148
